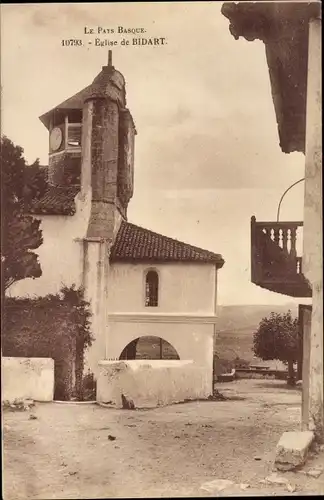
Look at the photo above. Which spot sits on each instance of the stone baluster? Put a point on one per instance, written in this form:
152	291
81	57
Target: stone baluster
293	251
276	235
285	239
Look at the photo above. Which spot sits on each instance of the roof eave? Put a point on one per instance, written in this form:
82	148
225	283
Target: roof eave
63	106
283	27
55	212
219	262
46	117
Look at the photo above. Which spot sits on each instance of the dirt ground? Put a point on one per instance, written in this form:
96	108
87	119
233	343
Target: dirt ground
69	450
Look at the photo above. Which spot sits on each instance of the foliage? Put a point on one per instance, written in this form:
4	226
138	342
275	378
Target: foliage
20	232
89	387
277	337
56	326
81	312
70	298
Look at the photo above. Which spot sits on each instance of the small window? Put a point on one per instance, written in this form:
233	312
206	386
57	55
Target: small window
151	289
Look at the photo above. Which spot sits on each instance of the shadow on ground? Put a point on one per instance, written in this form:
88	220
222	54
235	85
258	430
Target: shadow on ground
278	385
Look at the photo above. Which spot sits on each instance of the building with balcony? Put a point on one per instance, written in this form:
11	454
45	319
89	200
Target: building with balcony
291	33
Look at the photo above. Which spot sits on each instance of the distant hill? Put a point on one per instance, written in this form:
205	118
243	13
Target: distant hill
235	328
249	316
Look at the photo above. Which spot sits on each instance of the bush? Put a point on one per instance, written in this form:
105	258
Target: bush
54	326
89	387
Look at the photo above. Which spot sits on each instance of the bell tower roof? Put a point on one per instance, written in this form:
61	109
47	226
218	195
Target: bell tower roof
109	83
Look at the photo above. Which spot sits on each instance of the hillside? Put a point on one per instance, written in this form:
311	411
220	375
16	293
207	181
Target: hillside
235	327
242	317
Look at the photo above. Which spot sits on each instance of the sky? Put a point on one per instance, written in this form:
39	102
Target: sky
207	153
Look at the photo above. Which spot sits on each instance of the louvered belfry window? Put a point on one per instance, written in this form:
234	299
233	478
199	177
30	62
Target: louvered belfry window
74	136
151	289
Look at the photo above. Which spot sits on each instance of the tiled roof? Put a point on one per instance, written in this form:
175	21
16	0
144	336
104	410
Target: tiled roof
108	82
134	243
56	201
74	102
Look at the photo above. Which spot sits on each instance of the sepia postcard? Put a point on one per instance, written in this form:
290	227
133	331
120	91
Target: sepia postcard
161	249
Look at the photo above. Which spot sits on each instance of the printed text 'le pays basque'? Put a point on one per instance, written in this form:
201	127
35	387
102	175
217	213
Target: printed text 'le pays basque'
99	30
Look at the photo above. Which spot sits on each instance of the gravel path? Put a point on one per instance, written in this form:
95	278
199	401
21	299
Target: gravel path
69	451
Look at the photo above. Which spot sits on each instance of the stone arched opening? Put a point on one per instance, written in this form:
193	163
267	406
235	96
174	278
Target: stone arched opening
149	347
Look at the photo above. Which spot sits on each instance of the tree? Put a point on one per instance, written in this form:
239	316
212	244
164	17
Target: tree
277	337
21	232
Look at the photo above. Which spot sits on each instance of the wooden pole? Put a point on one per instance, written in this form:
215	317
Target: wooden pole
161	348
304	316
312	252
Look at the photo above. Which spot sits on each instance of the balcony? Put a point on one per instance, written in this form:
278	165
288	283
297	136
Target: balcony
275	264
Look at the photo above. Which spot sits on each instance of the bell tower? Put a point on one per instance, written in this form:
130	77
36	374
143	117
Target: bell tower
107	163
91	145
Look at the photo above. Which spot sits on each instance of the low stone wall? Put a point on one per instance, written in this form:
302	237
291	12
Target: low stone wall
266	374
151	383
27	378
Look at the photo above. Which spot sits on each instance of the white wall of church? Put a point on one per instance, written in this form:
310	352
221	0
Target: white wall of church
185	315
60	256
183	288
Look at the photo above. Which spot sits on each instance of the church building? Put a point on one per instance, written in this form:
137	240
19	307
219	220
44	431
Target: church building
139	283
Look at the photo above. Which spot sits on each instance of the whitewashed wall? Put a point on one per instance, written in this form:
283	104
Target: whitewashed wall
183	287
27	378
60	255
151	383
